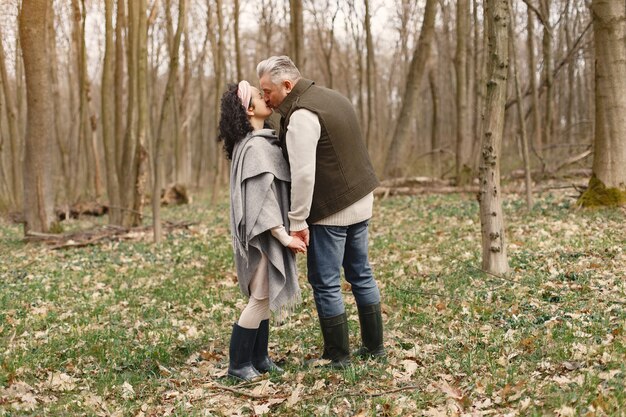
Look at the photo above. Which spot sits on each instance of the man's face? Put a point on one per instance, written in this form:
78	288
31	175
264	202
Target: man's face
274	94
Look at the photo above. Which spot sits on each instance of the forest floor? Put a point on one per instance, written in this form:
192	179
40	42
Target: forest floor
126	328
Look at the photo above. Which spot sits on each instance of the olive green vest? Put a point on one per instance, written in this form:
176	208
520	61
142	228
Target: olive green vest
343	171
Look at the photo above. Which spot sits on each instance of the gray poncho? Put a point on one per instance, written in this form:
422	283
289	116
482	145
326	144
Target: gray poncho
259	192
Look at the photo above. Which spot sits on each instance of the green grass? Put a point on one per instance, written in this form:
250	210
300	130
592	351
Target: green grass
548	339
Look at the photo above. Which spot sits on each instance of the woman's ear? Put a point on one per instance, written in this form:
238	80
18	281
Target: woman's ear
250	111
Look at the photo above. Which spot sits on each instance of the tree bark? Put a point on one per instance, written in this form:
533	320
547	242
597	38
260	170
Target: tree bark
532	69
494	256
296	30
609	158
158	146
14	129
395	160
520	114
108	118
38	188
435	154
237	41
120	102
217	43
548	58
370	74
463	139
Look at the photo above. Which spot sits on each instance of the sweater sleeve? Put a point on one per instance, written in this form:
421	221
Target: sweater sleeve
281	234
303	134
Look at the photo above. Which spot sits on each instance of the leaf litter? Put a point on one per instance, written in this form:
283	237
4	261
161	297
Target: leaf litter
124	328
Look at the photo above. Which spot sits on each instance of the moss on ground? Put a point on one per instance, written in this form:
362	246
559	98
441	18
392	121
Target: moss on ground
598	195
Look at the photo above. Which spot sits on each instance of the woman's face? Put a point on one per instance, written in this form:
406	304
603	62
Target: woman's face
259	105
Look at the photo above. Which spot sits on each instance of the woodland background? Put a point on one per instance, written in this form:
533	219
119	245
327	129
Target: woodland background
135	87
105	104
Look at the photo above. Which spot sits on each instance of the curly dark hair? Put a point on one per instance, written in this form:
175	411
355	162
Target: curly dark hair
234	124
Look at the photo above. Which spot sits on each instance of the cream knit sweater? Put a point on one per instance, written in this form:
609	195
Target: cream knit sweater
303	133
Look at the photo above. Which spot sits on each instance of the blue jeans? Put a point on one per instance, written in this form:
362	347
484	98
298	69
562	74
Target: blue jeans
330	248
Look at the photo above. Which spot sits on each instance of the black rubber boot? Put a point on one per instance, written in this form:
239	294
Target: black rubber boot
336	341
241	345
371	321
260	358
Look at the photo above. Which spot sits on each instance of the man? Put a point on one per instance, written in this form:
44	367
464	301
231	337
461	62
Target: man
332	183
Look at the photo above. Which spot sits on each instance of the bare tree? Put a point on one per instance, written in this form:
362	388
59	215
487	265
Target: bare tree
532	69
520	113
608	183
108	117
370	76
87	119
489	196
165	107
394	160
463	138
38	189
296	33
14	130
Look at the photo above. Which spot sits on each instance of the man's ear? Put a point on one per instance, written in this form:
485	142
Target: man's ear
288	85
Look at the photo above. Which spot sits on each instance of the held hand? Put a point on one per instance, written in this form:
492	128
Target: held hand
303	235
297	245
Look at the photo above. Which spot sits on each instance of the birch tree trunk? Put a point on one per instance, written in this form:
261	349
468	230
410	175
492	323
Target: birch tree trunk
494	257
395	155
608	182
37	169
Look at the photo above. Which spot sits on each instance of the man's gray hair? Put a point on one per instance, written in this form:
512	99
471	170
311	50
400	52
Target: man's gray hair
280	68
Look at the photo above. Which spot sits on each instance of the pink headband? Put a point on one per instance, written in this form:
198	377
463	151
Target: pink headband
244	93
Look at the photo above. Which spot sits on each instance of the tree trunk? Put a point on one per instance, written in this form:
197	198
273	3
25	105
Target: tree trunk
489	196
120	102
435	155
14	129
520	113
296	30
463	139
395	160
87	119
608	183
158	146
141	154
108	118
547	73
38	188
237	41
59	138
217	43
532	69
370	73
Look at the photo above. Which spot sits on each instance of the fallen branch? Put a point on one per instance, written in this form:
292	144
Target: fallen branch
93	236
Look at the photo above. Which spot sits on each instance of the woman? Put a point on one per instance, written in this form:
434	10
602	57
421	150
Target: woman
264	251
